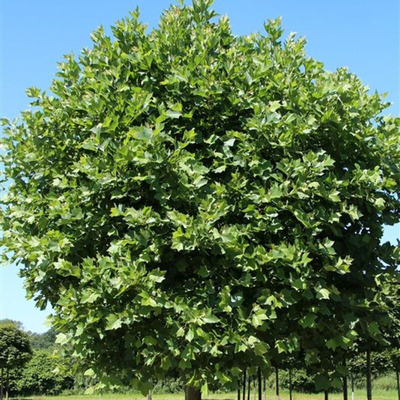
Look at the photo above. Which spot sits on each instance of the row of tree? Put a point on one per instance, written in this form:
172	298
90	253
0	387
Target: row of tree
46	373
357	368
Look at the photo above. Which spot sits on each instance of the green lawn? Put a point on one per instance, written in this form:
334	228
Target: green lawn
359	395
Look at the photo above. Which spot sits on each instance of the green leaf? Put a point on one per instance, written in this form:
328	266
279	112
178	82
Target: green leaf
62	339
230	142
142	133
308	321
210	319
113	322
89	372
89	297
173	114
323	294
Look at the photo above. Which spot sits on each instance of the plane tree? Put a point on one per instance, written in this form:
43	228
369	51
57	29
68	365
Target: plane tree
193	202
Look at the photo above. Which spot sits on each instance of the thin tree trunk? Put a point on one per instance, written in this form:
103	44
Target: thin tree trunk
244	384
259	384
192	393
345	390
238	392
369	382
248	387
398	384
326	397
277	383
265	387
7	382
1	384
352	386
255	389
150	395
290	385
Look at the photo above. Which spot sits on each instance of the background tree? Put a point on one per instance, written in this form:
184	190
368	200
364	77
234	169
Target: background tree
15	352
42	341
194	202
44	374
8	321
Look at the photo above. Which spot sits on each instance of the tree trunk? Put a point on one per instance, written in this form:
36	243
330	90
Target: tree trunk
265	388
345	391
398	384
248	388
192	393
7	382
326	395
255	389
150	395
238	392
352	386
369	382
277	383
1	384
259	384
290	385
244	384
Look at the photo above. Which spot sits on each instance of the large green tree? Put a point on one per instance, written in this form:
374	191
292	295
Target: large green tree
194	201
15	352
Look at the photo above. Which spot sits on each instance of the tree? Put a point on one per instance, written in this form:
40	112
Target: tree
8	321
44	374
15	352
195	202
42	341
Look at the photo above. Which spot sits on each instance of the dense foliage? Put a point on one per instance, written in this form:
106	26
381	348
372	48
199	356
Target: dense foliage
44	374
15	348
15	352
41	341
192	202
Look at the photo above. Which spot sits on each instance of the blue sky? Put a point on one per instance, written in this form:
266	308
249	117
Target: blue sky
361	34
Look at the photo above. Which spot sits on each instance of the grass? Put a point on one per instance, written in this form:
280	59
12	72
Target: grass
359	395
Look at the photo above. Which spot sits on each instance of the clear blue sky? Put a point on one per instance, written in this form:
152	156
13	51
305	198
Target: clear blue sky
361	34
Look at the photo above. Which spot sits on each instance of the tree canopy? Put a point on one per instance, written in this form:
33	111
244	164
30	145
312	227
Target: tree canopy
15	352
15	348
194	201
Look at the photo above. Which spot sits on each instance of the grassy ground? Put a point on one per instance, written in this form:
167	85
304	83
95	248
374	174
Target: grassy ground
359	395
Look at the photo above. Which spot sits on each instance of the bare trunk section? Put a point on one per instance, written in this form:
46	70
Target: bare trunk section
326	395
1	384
248	388
352	386
277	383
265	387
7	382
192	393
259	383
345	390
244	384
150	395
369	380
